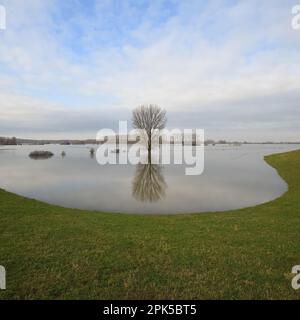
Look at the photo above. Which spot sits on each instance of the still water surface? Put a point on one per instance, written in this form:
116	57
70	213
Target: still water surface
234	177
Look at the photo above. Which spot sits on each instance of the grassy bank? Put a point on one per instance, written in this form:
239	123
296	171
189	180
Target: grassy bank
55	253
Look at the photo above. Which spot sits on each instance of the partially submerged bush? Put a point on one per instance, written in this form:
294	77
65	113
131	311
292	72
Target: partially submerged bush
36	155
92	153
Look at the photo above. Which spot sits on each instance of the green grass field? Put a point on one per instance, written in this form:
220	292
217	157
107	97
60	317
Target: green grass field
55	253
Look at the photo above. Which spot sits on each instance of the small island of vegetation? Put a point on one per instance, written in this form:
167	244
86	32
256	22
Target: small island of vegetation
41	155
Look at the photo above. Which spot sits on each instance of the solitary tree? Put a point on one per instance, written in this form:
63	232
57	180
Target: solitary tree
149	119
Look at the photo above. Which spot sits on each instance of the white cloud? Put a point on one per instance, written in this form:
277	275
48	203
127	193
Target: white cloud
199	62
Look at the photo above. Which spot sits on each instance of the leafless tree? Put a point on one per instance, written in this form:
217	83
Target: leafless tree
149	119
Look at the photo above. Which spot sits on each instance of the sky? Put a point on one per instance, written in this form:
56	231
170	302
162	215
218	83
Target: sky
70	68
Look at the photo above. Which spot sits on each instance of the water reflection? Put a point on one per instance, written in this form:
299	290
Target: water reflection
233	178
149	183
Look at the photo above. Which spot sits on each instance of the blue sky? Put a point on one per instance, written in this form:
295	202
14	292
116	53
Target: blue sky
69	68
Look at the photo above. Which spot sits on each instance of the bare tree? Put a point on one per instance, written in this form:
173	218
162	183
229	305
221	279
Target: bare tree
149	119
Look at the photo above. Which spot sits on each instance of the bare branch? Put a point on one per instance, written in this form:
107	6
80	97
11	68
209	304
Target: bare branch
149	118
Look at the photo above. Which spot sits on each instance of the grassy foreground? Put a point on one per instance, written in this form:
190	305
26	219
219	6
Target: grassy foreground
54	253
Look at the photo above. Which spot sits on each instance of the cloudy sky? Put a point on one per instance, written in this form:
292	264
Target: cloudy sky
69	68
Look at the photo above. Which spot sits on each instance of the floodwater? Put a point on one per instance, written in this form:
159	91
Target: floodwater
234	177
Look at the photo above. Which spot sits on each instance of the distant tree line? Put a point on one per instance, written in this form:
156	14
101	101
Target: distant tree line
8	141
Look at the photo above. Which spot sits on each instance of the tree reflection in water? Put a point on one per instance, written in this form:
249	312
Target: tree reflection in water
149	184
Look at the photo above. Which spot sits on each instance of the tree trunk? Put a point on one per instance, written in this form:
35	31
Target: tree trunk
149	148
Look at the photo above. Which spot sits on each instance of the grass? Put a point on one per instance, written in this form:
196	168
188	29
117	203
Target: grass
55	253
